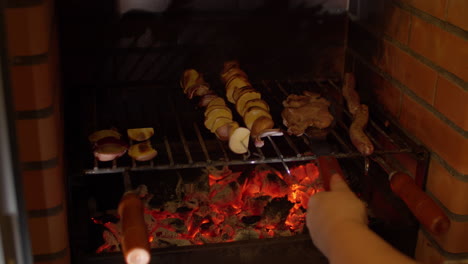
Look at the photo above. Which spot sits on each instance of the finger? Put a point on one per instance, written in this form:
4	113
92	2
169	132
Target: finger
337	183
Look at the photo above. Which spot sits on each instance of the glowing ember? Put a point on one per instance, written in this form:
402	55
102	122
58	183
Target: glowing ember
236	206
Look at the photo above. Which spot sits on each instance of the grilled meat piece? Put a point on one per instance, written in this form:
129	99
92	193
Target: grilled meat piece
307	110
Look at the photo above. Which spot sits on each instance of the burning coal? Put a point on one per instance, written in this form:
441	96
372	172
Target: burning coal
232	206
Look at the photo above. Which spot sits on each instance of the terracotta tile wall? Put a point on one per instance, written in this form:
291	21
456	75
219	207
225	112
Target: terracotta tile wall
413	56
33	56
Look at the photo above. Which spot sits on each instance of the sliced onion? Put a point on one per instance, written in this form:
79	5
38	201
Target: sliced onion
109	148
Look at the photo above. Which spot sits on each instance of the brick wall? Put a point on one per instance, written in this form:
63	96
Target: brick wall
32	47
413	56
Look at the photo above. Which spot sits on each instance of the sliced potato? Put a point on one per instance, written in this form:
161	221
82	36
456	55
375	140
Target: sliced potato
219	122
96	136
140	134
209	109
233	85
244	98
216	109
253	113
206	99
255	102
240	91
260	125
227	65
189	78
216	101
193	83
239	140
229	74
214	114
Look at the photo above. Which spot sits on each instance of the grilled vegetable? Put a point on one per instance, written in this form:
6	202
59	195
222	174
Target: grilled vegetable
140	134
142	151
94	137
255	102
109	148
239	140
218	117
233	86
193	84
224	132
253	113
214	114
247	100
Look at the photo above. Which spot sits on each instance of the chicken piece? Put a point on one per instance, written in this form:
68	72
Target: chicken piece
303	111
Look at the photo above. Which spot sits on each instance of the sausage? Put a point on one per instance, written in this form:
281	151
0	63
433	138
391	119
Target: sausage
350	94
135	244
356	131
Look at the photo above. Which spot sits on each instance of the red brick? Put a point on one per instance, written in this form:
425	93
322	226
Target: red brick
409	71
452	192
452	101
426	252
456	13
37	139
32	86
43	188
396	22
48	234
28	29
435	133
440	46
432	7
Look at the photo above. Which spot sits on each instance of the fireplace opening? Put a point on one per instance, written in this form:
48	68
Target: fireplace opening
205	202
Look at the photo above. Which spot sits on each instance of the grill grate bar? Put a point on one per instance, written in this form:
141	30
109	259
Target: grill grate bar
237	162
291	144
169	151
341	141
260	153
223	149
280	155
181	136
202	143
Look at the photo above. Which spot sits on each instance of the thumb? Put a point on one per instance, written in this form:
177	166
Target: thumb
337	183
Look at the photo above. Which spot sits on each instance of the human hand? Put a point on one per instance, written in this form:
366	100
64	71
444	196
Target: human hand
334	211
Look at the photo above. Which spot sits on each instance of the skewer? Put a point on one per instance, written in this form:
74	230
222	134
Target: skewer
280	155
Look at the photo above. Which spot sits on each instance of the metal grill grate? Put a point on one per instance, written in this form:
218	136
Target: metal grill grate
183	142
